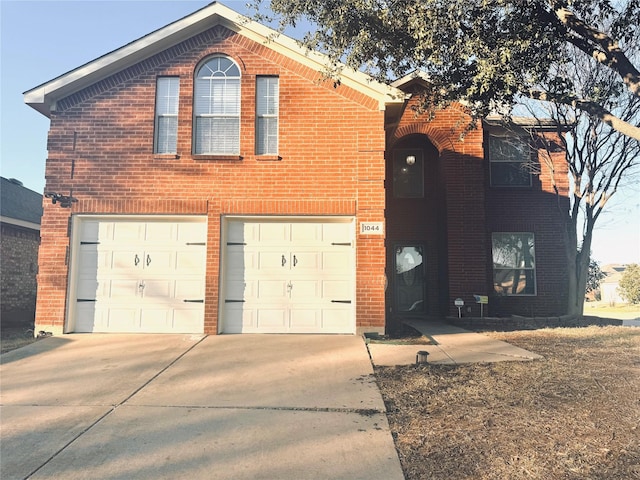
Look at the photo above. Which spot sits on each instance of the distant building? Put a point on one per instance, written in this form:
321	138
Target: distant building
609	285
20	213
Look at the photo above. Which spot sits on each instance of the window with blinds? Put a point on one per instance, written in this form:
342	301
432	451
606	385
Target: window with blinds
217	108
267	104
166	125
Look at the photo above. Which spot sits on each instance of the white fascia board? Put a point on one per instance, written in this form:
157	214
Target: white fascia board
43	97
20	223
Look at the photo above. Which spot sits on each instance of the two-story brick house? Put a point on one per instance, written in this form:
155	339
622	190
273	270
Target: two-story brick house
208	180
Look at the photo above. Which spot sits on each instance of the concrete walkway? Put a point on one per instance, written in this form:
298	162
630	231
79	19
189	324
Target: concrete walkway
172	406
451	345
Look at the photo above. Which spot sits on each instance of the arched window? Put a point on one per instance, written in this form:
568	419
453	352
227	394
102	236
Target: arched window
216	108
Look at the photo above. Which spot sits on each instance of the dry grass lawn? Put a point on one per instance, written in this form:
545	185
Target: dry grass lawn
573	415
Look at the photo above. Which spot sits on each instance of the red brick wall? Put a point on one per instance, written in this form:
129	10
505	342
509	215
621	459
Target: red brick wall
331	161
536	209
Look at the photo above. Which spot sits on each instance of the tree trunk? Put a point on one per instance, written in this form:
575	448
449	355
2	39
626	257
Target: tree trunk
571	251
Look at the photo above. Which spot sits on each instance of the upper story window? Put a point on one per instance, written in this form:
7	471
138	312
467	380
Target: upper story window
510	161
514	263
217	108
166	125
267	107
408	174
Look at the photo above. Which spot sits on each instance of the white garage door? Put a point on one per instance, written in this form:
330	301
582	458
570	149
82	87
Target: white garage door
284	276
139	275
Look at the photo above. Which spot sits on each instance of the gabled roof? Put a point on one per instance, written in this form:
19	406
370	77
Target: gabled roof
43	98
19	205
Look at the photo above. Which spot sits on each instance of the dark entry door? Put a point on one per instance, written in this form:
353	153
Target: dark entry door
409	282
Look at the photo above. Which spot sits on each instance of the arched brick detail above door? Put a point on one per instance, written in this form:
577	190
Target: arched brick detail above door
441	138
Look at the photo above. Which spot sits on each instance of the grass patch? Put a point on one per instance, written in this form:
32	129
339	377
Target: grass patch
573	415
13	337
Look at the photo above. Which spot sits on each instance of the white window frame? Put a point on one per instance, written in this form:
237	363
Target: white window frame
501	270
166	115
267	113
218	80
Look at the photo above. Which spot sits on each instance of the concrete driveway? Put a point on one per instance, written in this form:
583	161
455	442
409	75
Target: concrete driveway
173	406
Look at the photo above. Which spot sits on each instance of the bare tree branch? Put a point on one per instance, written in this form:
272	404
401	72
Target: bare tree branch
598	45
592	108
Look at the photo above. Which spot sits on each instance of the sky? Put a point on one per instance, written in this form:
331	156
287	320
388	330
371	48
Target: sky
40	40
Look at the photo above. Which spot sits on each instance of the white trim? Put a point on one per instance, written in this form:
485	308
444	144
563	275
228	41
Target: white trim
43	97
20	223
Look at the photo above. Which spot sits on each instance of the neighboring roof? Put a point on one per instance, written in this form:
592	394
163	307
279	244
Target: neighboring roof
19	205
614	273
43	98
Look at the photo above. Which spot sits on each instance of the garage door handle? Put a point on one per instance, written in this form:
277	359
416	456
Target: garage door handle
148	260
193	301
340	301
295	261
136	260
284	261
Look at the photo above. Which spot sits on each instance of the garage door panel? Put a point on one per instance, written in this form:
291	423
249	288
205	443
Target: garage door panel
123	319
306	233
91	289
239	319
160	232
123	261
331	261
123	288
272	233
305	263
162	261
240	290
93	258
336	289
155	320
239	260
337	233
194	261
128	231
271	289
189	289
271	261
88	316
186	320
305	320
305	290
272	320
158	290
194	233
336	320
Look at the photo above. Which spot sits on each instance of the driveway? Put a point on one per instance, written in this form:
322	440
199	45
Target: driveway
175	406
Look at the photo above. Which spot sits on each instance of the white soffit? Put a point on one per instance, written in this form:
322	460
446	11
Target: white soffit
43	97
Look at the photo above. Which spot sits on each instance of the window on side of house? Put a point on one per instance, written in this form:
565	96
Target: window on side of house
267	110
510	161
166	125
217	108
514	263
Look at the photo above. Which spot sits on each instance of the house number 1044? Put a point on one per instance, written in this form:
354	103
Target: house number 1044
371	228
